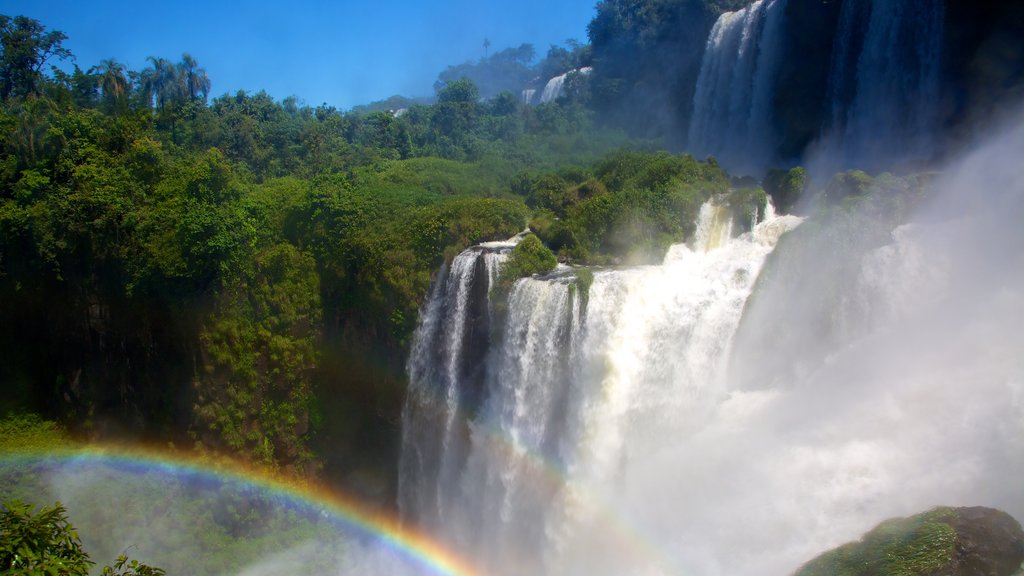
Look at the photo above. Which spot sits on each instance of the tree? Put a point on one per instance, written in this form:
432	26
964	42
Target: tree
44	542
508	69
161	81
196	82
113	81
25	47
456	113
40	543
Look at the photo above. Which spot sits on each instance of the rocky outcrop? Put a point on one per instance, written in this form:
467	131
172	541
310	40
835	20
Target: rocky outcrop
974	541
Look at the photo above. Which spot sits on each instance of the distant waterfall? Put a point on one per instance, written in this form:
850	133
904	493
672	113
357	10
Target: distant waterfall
555	87
732	105
578	386
884	82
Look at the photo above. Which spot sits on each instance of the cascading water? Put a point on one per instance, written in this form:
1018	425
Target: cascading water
553	89
884	82
883	94
555	86
667	422
732	105
579	388
446	372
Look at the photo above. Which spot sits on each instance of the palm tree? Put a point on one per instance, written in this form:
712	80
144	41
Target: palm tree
194	79
161	80
113	81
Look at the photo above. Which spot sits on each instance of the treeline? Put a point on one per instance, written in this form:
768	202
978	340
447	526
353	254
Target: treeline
515	69
242	275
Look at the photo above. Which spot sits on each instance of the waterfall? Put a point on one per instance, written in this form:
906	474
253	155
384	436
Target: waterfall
732	105
744	405
528	95
446	371
578	388
553	89
884	82
555	86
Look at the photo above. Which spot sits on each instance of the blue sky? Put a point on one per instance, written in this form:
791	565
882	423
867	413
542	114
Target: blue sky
342	53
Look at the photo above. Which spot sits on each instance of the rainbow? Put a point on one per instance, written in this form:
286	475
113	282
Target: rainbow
630	540
344	509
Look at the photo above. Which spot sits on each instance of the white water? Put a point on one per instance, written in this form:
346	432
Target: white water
578	395
434	434
884	83
732	105
674	426
556	86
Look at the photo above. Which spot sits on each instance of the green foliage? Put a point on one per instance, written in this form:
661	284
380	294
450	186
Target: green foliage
39	542
172	521
785	187
30	433
553	193
639	204
747	206
584	280
850	184
556	234
507	69
529	257
25	48
227	273
915	546
125	567
44	542
261	343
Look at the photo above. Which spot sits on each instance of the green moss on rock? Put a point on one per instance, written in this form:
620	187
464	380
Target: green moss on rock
943	541
747	206
785	187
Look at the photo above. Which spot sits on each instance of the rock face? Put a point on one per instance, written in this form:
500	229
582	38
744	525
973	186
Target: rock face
973	541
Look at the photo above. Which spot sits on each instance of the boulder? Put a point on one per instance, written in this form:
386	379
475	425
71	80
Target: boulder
944	541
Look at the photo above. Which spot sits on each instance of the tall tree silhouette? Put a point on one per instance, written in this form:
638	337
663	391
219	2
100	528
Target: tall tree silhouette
113	82
194	79
161	81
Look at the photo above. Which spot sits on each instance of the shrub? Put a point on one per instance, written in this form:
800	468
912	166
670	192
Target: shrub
529	257
785	187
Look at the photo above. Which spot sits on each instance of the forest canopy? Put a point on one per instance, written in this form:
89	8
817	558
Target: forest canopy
243	275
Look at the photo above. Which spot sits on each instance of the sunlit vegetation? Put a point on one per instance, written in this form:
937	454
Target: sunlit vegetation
529	257
243	276
941	541
627	208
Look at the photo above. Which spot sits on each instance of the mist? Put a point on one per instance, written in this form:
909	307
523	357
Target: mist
738	410
674	378
915	399
875	372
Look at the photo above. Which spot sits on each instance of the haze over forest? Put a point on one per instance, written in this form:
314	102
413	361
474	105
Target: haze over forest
716	288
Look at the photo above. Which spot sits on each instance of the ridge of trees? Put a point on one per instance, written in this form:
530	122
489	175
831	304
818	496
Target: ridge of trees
514	69
243	276
234	273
